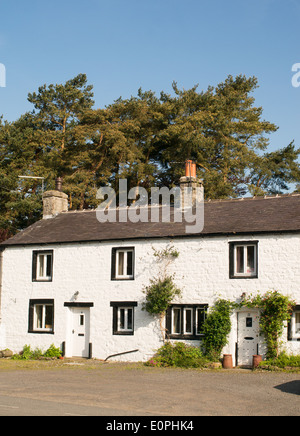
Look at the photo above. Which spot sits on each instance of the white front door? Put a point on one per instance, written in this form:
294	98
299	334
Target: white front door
248	336
80	331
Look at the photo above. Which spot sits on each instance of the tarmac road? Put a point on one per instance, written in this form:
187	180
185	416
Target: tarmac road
116	389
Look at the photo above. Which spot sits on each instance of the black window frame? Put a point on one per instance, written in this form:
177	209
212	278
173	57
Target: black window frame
182	307
114	251
32	304
232	272
35	255
116	305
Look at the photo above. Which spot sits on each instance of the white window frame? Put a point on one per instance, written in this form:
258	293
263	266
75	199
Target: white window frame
188	309
172	321
35	318
124	274
42	258
295	334
197	320
245	273
125	328
182	320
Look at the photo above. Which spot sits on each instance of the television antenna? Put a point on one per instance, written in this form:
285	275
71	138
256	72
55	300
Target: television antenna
34	177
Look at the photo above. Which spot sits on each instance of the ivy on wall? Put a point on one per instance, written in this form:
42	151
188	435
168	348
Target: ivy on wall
216	328
275	309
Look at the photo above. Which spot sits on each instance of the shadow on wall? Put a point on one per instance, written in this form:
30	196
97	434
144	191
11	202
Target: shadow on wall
292	387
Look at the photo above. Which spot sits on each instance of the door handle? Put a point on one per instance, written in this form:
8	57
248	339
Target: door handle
249	338
80	334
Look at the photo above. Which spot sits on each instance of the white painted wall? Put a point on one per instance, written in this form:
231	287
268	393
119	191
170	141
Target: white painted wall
202	272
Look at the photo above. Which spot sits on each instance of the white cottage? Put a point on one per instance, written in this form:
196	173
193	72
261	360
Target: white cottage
78	283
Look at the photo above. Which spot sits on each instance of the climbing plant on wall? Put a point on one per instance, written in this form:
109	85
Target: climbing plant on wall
275	310
216	328
162	289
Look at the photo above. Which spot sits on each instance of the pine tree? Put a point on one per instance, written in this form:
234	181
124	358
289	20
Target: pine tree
145	139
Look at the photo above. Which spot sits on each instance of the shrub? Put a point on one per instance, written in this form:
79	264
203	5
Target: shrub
178	355
216	329
25	354
52	352
161	290
159	294
282	361
29	354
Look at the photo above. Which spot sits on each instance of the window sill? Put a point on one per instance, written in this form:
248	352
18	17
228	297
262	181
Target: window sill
42	332
254	276
187	337
122	278
117	333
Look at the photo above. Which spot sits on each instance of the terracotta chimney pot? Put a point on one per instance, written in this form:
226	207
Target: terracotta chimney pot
190	168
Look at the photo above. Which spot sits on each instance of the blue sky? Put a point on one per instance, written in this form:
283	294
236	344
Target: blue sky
125	44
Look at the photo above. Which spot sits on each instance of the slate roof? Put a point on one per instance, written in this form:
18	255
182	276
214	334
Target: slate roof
239	216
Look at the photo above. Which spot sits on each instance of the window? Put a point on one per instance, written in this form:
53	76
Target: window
297	323
42	266
123	317
294	325
122	265
185	321
41	316
243	259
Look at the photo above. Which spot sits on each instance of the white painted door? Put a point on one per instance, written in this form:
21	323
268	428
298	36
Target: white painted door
248	336
80	331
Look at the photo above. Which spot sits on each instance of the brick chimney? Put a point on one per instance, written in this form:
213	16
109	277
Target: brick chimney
190	181
55	202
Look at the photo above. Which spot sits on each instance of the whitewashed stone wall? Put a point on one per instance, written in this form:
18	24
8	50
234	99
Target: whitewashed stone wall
201	271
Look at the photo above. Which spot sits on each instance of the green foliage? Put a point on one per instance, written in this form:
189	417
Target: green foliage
52	352
283	361
159	295
37	353
168	252
216	328
42	143
162	290
275	310
144	139
26	354
178	355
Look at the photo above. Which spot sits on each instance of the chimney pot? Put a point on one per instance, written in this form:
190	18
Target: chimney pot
190	168
58	184
190	181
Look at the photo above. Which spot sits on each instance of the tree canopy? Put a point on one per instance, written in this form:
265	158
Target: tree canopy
145	139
